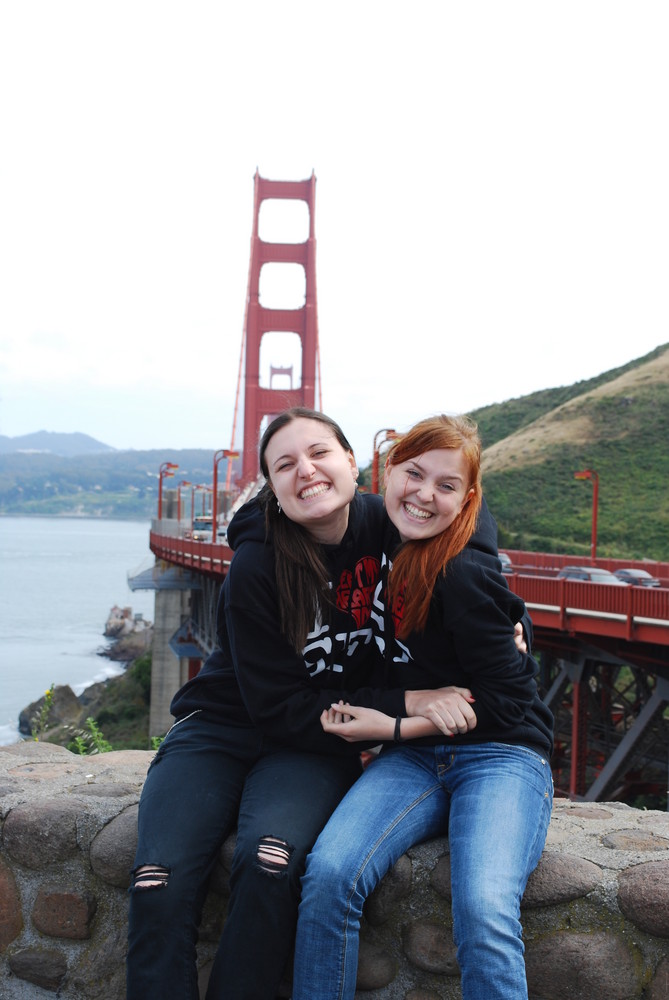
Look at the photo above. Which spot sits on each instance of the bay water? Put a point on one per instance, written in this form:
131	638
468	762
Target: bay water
59	579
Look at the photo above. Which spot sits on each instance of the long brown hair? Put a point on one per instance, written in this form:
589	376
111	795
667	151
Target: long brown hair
302	578
418	563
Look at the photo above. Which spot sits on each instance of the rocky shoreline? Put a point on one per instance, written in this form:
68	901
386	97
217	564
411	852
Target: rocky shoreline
131	637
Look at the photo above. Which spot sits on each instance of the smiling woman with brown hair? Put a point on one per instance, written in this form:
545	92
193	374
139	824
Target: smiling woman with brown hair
247	749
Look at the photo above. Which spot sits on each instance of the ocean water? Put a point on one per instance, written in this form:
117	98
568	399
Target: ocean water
59	579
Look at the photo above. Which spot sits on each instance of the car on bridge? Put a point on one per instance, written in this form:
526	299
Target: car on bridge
637	577
590	574
201	529
507	565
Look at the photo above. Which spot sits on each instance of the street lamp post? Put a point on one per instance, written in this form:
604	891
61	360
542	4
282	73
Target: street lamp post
591	474
389	435
166	469
198	486
184	482
223	453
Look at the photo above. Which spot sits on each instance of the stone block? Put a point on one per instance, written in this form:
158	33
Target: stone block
659	988
376	968
43	967
559	878
395	886
113	849
11	919
576	966
428	944
643	896
64	913
38	834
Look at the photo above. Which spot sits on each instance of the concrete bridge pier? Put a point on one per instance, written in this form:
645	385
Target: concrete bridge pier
168	673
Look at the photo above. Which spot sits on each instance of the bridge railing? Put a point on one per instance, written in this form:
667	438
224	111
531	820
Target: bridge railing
203	557
633	614
638	614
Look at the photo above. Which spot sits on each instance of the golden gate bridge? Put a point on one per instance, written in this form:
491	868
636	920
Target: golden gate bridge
603	650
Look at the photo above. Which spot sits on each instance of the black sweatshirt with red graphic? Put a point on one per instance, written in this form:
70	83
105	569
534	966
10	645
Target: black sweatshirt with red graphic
254	679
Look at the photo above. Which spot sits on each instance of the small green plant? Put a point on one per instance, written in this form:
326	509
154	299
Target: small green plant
40	722
79	744
89	741
99	743
156	741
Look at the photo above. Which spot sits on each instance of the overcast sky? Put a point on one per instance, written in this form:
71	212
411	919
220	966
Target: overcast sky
492	204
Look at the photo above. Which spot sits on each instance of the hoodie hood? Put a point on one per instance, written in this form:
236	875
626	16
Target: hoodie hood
248	524
484	538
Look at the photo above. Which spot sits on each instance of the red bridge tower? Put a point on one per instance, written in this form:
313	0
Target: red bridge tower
259	401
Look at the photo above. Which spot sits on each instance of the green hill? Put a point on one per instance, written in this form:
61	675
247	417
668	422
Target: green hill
616	425
120	484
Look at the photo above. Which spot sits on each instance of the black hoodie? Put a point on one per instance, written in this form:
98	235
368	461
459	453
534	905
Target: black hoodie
254	678
468	641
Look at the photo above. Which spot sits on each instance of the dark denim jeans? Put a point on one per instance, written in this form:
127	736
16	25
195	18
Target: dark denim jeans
205	780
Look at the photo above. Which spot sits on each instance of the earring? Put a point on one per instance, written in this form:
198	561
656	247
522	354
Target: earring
278	505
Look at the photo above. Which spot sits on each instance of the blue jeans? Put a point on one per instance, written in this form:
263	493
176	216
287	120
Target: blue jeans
205	780
495	802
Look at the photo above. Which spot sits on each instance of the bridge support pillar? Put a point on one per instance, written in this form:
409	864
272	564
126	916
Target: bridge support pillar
167	672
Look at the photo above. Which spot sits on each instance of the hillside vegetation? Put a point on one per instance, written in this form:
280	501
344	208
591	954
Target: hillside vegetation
121	484
616	424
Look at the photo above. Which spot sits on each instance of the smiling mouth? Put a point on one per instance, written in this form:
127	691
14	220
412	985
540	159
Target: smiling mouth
416	512
313	491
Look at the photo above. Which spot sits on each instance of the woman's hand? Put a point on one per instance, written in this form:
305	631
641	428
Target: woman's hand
519	637
449	709
353	723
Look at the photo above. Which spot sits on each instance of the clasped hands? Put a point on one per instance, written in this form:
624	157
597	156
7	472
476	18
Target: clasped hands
446	710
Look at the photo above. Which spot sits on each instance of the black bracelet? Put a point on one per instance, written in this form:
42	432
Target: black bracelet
398	735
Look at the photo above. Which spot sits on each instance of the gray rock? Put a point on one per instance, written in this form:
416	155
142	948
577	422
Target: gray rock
376	968
113	850
559	878
393	887
39	834
43	967
63	912
11	918
578	966
659	988
643	896
429	945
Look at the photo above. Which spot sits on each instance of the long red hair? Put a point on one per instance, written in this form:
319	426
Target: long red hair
418	564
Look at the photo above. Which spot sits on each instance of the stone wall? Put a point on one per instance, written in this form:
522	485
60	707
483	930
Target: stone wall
595	913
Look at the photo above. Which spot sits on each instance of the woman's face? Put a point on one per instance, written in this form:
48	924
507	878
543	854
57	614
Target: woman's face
425	494
313	477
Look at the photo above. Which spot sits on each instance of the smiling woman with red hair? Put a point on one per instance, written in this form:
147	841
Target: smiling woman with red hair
446	619
422	562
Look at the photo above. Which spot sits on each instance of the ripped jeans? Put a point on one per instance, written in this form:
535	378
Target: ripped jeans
205	780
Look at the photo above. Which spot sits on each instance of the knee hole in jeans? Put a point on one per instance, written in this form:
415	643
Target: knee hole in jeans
273	856
150	877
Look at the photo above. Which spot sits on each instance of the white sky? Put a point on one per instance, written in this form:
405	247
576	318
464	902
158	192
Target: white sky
492	203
